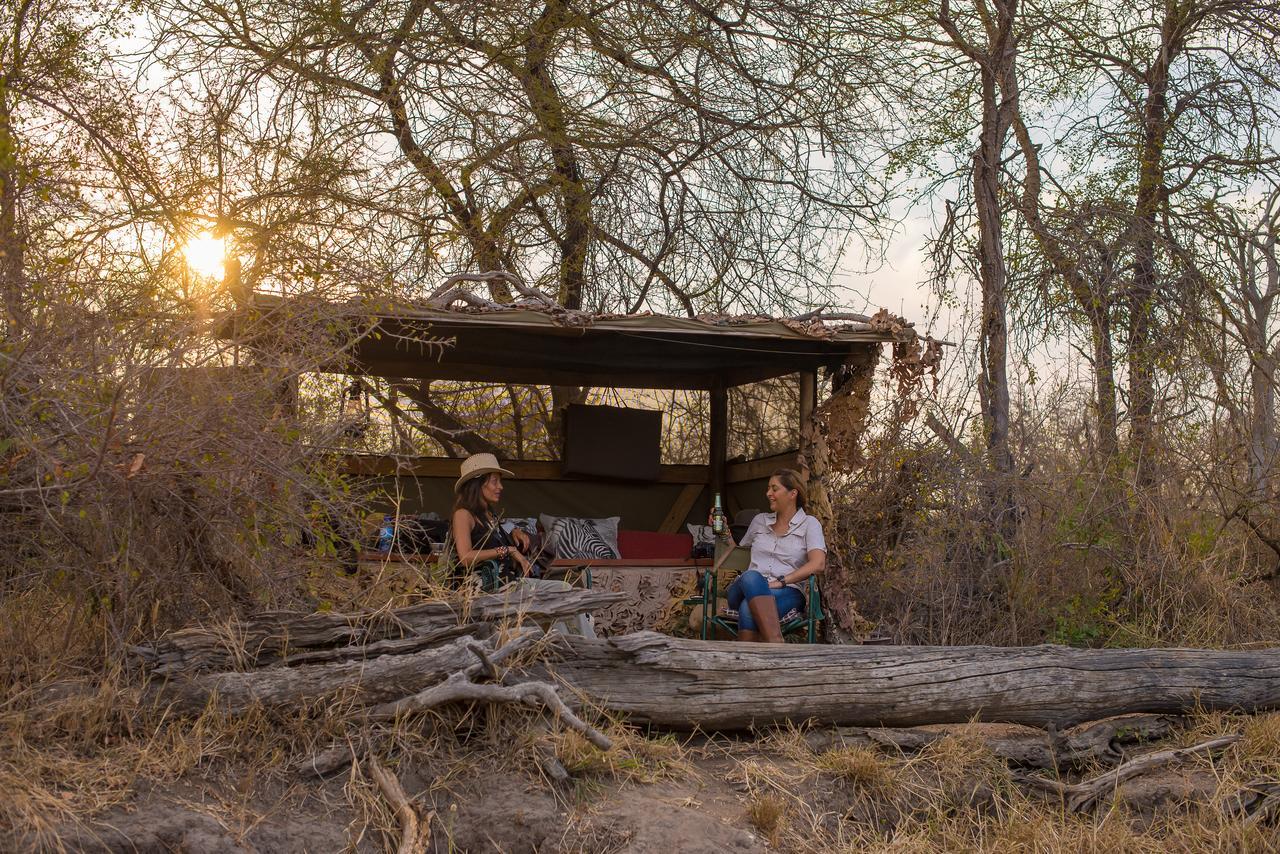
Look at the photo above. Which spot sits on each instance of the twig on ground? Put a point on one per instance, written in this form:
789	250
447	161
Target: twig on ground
415	835
1083	795
459	688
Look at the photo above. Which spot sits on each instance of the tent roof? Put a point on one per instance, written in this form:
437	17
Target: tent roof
526	344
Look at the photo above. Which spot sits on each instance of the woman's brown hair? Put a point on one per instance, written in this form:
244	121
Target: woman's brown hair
790	480
471	499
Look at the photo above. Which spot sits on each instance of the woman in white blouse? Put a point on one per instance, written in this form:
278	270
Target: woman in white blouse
787	547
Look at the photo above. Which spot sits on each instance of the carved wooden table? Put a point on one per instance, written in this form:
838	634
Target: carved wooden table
655	588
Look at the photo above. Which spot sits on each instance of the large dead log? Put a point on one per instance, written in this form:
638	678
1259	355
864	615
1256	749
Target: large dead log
358	683
685	683
271	638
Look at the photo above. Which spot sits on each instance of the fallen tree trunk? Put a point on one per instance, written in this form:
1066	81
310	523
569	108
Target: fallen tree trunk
357	683
293	638
376	680
685	683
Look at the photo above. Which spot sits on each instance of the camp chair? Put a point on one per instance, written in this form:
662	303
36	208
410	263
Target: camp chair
734	561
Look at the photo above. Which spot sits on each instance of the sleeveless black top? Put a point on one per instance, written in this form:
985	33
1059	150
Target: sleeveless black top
488	534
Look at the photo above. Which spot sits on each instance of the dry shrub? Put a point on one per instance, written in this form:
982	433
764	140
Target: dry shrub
153	473
1089	562
634	758
787	739
955	795
1262	737
70	750
960	772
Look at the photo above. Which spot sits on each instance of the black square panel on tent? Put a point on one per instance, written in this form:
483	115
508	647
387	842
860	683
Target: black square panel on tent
612	442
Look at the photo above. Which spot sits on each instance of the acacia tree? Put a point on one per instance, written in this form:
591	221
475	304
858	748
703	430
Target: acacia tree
988	37
1175	105
1237	338
963	62
144	473
611	157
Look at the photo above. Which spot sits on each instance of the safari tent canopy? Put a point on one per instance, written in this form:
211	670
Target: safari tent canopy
525	344
552	346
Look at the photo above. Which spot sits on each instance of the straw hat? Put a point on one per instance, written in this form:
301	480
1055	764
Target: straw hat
478	464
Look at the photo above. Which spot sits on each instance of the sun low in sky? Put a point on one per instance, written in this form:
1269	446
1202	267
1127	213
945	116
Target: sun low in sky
206	255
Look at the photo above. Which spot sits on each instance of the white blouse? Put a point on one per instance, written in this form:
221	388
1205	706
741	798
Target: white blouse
776	556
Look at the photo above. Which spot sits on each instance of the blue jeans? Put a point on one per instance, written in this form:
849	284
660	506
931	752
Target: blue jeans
751	584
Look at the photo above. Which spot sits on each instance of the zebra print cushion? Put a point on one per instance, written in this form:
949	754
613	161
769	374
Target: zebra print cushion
582	538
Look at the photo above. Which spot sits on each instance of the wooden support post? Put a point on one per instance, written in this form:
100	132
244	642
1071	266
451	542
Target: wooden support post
812	456
719	443
808	396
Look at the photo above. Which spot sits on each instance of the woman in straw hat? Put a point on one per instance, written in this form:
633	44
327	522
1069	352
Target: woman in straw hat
477	534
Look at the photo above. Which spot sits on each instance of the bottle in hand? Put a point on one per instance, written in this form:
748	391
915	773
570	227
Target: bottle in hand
719	524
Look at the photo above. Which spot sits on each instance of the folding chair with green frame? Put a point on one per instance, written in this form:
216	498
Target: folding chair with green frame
734	561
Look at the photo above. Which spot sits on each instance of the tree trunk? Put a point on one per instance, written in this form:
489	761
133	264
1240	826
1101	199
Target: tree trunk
443	426
360	682
574	235
1262	427
12	274
272	638
685	683
1142	297
1104	372
993	382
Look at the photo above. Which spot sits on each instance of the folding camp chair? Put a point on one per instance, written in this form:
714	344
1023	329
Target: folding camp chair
734	561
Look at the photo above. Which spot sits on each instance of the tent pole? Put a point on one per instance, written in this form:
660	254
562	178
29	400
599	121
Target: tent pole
719	439
808	396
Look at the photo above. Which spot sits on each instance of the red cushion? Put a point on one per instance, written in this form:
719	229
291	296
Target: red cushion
639	545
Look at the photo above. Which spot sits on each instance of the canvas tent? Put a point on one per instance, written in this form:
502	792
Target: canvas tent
540	345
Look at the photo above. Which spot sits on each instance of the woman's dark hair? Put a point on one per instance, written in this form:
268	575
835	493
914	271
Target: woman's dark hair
471	499
790	479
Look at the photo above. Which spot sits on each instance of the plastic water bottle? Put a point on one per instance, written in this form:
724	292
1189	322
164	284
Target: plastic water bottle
387	533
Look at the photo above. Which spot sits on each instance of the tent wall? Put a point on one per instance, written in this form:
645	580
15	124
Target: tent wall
642	507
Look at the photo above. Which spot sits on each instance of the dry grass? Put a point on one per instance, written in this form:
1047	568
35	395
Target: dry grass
635	758
1262	737
73	746
955	795
64	761
768	814
861	766
1092	562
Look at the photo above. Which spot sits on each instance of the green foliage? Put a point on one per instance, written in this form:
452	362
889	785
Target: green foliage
1084	621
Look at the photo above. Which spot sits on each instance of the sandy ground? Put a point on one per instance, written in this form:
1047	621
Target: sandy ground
698	815
698	805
